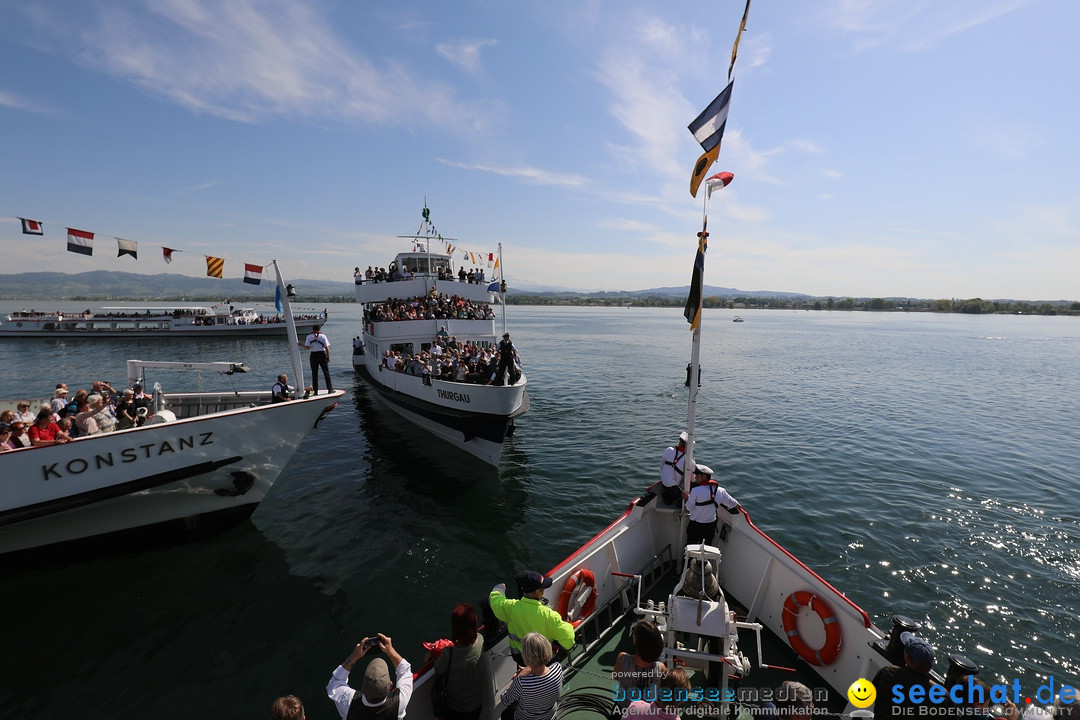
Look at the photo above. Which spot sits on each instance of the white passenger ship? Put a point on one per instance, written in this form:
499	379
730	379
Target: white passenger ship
472	416
148	321
201	461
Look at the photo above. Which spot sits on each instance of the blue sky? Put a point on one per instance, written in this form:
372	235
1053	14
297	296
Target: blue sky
879	148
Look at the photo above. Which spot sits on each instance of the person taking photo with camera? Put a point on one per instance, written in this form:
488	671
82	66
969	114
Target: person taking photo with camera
378	697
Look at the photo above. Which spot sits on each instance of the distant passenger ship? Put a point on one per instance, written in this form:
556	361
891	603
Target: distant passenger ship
151	321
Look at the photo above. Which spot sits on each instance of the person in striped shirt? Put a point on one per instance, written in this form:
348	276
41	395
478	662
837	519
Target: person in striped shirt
537	686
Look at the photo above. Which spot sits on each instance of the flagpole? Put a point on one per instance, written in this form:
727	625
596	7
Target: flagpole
502	296
695	368
290	329
719	180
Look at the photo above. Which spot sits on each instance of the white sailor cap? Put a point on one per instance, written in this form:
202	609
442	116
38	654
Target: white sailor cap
703	469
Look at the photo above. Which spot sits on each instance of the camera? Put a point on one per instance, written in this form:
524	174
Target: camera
372	643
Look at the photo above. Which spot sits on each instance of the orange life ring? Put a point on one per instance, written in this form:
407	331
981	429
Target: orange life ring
576	585
827	653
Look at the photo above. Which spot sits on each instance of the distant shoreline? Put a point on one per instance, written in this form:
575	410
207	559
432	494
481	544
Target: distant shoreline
970	306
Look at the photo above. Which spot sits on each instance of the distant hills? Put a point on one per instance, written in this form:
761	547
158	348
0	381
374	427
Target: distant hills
110	285
113	285
101	285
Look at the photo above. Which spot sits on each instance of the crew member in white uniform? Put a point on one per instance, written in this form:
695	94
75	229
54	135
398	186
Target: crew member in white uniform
319	345
702	503
671	472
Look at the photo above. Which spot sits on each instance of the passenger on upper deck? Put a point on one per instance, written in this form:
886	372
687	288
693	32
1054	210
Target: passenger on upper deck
45	431
19	438
5	438
126	412
59	400
22	412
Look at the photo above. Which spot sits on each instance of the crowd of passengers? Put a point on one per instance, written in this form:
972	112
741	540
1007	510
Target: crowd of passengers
65	417
393	274
430	307
453	361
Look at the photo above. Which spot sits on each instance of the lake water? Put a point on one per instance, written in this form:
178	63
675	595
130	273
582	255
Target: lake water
925	465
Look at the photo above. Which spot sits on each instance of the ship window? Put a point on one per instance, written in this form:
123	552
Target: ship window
402	347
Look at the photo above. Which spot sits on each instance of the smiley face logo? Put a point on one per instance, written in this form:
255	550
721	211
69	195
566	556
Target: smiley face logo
862	693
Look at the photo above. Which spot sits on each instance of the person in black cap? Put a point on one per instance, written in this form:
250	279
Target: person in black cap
528	614
918	662
141	402
378	698
506	361
319	345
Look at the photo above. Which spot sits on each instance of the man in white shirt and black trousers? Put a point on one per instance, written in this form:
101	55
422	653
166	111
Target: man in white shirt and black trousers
319	345
702	503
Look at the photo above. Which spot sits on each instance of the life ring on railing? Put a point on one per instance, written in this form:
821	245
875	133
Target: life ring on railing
578	598
371	328
827	653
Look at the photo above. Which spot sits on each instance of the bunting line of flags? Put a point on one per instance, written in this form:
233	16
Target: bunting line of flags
708	129
82	242
473	256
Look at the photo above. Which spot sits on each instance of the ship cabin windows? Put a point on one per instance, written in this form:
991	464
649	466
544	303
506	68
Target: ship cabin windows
424	265
403	348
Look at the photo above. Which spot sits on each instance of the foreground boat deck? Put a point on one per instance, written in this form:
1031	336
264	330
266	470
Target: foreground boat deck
588	684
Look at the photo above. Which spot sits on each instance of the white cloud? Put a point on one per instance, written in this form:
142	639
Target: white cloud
246	60
16	102
531	175
465	54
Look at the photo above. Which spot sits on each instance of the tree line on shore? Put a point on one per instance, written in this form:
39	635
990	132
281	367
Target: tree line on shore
971	306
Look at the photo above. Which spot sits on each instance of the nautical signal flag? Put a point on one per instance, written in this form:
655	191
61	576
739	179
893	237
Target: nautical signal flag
80	241
214	266
127	247
692	312
252	274
167	253
708	129
719	181
31	227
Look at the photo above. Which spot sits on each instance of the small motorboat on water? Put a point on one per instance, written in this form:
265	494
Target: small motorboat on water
172	321
737	318
201	461
421	313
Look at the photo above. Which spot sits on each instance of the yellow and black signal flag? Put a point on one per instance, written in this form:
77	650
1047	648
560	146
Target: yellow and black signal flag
214	266
708	129
735	47
692	312
701	167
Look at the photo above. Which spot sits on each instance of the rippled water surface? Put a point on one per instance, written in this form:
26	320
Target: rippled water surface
925	465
